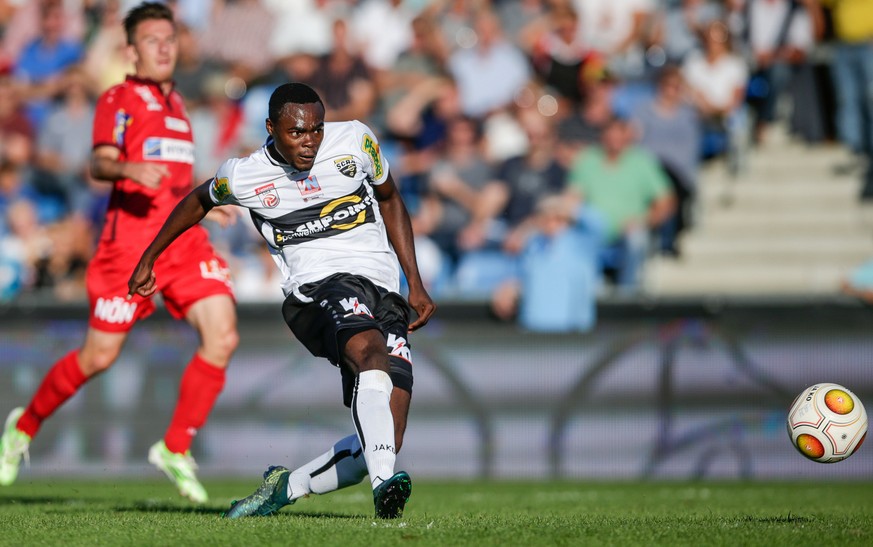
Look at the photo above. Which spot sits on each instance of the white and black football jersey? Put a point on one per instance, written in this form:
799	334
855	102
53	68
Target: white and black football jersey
322	221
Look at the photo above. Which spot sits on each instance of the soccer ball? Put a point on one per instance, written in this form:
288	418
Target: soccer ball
827	423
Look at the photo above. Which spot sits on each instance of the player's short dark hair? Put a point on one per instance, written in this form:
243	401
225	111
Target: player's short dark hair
293	93
145	12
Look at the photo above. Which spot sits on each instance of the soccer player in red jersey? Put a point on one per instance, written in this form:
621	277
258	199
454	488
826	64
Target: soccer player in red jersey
143	146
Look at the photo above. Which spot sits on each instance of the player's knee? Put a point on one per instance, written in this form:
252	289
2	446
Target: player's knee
95	362
366	351
229	341
372	358
220	344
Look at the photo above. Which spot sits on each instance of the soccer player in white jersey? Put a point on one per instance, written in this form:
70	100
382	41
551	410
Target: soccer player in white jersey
322	197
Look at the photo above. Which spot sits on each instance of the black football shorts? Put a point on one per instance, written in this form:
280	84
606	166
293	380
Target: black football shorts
342	306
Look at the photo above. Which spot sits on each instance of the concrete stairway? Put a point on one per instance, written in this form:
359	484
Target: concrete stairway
787	226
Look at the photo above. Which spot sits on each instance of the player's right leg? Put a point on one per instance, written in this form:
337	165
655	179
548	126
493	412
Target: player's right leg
62	381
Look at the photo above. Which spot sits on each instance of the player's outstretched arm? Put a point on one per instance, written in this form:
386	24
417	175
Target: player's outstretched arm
106	165
187	213
399	230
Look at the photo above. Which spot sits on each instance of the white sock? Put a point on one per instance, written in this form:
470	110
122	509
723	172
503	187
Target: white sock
371	412
343	465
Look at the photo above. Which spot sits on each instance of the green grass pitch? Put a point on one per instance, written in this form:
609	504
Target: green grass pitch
83	512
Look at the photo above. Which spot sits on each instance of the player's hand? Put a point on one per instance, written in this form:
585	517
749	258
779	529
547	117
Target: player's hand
142	282
225	216
420	301
446	183
147	173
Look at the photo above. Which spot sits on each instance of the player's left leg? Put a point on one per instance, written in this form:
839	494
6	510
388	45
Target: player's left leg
341	466
214	318
63	380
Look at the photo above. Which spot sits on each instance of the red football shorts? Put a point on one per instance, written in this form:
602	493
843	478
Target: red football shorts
188	271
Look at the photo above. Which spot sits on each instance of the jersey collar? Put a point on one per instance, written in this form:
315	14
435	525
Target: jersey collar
274	157
148	81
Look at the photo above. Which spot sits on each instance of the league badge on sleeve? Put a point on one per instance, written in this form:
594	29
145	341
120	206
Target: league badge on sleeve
268	195
371	148
220	188
122	122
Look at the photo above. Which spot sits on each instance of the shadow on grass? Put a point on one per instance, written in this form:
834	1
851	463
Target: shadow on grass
66	504
144	507
43	500
147	507
788	519
323	515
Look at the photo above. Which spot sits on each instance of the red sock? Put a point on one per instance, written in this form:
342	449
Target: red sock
201	384
62	381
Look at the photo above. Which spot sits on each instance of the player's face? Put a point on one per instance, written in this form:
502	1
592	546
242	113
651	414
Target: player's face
155	50
298	133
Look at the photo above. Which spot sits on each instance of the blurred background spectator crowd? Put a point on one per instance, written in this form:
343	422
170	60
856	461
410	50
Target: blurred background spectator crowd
545	148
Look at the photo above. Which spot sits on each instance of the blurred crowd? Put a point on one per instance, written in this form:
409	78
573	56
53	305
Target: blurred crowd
543	147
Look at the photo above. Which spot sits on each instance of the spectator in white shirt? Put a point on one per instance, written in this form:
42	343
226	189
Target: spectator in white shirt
491	73
717	79
781	36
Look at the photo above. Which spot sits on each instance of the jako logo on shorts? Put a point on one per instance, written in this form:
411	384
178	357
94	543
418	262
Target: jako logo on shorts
115	310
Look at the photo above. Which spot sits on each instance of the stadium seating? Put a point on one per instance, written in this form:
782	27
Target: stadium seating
788	226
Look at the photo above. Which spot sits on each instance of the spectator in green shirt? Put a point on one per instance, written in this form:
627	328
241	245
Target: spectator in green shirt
629	189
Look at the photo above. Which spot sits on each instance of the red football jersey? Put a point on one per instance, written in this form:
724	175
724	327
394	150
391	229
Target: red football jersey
145	125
